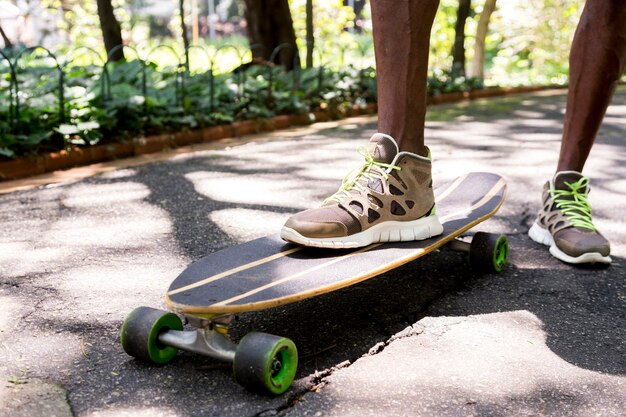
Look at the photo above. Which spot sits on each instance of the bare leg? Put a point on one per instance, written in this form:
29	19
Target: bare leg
401	44
597	61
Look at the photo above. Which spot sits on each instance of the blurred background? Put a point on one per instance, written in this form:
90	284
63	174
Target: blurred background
527	41
79	72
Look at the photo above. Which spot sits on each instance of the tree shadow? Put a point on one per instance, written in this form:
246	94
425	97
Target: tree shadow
582	309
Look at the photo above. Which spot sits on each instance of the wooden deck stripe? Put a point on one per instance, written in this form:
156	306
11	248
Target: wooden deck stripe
451	188
235	270
296	275
494	190
221	275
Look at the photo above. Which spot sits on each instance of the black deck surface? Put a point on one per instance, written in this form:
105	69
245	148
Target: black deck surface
267	272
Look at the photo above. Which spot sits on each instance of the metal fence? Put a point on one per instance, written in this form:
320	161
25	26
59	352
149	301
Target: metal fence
15	65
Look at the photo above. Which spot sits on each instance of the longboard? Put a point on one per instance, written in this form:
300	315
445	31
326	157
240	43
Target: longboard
268	272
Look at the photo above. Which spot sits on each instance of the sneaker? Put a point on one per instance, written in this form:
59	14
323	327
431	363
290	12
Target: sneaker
564	223
387	199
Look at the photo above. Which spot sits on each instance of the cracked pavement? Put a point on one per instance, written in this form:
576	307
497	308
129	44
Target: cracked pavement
429	338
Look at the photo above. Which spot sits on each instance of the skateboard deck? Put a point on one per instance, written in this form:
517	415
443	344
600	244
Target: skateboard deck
269	272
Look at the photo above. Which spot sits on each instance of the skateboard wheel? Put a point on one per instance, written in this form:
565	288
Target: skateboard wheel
140	333
489	251
265	363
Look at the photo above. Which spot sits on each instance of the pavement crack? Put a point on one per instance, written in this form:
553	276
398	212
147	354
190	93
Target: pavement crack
293	398
319	379
47	293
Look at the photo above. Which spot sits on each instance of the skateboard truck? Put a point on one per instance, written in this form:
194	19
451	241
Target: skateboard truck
261	362
204	341
459	245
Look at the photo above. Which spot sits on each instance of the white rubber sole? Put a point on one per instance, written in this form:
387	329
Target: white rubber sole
384	232
543	236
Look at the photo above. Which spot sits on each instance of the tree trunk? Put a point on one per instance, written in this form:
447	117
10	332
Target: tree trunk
111	29
195	32
5	38
181	9
359	5
310	39
69	24
270	25
458	49
478	61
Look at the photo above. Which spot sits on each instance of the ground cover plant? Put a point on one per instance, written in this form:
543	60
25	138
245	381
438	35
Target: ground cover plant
45	107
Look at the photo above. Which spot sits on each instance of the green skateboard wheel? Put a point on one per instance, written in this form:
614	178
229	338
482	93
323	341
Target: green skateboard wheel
488	252
140	334
265	363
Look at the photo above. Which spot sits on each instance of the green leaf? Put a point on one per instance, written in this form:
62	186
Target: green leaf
7	152
67	129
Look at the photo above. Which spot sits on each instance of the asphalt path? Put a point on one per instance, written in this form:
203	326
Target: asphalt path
431	338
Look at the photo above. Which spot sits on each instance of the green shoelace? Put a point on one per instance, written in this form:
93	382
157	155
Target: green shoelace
366	171
573	203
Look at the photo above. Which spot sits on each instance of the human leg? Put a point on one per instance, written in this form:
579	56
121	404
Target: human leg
597	61
390	197
401	32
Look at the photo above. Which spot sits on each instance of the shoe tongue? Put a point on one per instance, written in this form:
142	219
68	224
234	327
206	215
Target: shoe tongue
383	148
560	178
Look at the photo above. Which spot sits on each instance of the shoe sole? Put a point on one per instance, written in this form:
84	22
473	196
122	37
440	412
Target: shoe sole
544	237
381	233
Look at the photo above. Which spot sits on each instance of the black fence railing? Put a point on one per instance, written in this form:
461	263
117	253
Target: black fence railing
13	66
49	102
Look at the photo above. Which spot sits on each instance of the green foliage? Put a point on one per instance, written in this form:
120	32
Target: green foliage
330	21
529	41
441	82
442	35
134	98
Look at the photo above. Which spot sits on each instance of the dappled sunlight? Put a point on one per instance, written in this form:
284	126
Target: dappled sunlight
528	114
76	258
617	110
21	259
543	263
118	174
541	137
612	185
521	160
135	412
616	120
497	359
9	310
108	217
333	173
316	158
124	280
246	224
613	229
539	124
271	189
98	230
44	352
90	195
529	102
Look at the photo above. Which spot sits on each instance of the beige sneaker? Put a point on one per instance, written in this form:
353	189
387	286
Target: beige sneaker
388	199
564	223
